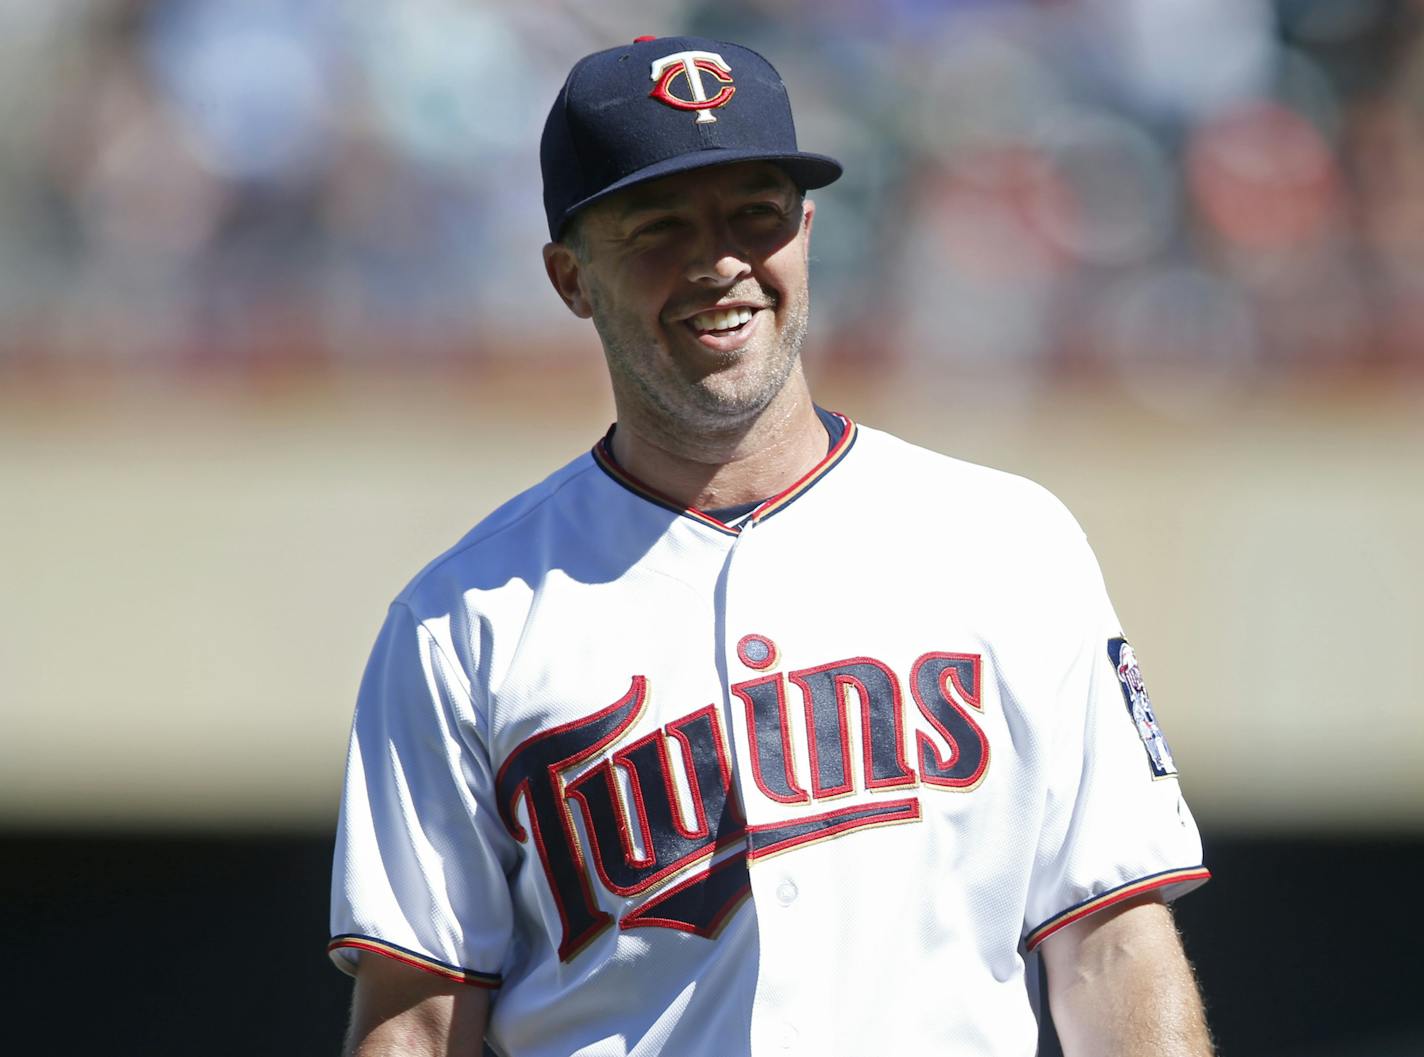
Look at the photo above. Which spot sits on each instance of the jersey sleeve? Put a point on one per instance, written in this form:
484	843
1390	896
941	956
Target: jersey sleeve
1115	824
422	859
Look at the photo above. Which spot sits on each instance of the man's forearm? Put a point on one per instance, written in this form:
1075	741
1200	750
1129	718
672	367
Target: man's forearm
1121	986
397	1011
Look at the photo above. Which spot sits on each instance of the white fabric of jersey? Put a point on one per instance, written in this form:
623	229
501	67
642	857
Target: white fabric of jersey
584	593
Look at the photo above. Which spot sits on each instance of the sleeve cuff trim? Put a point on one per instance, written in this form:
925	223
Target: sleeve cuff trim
1188	878
352	941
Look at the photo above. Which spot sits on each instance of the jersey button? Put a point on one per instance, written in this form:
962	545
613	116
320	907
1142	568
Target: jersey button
789	1036
786	892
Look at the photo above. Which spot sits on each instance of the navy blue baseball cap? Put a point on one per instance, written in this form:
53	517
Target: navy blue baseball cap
665	105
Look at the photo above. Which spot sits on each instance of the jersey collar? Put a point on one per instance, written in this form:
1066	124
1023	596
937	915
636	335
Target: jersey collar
603	455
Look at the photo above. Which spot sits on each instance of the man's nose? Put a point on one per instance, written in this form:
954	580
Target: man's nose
718	258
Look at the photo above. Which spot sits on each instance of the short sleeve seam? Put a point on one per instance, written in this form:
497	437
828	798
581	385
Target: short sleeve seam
1185	879
354	941
462	689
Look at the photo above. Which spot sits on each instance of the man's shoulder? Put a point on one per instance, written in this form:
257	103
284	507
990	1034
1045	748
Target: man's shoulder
1001	530
935	479
508	539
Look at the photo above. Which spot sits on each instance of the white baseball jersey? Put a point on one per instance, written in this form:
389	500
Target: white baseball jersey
818	784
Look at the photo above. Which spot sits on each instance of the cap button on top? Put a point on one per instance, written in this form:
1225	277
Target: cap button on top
643	40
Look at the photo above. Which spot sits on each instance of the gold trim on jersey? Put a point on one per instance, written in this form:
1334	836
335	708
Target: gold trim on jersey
603	455
1191	875
353	941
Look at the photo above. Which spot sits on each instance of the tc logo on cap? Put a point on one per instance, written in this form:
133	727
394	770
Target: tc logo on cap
692	64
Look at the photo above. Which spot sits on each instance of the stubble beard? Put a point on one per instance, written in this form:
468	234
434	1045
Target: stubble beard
718	402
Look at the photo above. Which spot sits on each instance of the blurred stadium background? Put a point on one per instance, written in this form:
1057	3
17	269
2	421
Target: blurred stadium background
274	330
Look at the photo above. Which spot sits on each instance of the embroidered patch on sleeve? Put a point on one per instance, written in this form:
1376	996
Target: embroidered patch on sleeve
1139	707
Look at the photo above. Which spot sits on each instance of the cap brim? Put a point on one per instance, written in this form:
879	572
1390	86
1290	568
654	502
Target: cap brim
808	170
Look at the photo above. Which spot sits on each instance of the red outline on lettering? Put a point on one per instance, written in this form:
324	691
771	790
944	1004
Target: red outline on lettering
640	918
706	851
605	768
570	945
797	795
623	820
889	812
930	758
866	728
635	783
813	748
842	683
724	764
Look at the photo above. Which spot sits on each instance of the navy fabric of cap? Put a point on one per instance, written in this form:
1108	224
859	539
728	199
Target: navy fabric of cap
664	105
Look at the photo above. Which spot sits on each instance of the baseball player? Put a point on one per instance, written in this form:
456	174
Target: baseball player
753	730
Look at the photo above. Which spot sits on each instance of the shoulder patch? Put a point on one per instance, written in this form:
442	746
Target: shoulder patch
1139	708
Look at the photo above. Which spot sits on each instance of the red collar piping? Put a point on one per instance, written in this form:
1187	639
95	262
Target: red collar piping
777	503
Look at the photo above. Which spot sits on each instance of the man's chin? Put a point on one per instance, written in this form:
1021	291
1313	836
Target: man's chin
734	397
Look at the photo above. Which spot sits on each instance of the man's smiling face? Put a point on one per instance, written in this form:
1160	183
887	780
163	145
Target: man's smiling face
697	285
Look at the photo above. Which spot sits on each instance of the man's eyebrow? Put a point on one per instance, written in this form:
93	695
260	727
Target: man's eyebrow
644	202
765	182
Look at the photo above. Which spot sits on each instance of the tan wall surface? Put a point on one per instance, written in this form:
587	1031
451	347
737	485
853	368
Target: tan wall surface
192	577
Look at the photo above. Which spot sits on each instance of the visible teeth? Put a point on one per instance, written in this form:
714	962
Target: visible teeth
722	319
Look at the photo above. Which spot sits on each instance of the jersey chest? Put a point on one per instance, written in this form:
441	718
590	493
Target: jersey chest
657	737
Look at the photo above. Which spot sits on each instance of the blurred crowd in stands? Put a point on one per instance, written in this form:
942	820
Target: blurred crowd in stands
1232	190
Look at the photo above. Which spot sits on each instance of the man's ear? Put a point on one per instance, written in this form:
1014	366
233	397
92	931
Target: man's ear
808	213
565	271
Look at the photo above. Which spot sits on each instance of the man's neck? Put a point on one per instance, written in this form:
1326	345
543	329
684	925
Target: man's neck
743	465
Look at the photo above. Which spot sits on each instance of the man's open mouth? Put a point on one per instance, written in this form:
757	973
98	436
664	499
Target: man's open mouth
721	320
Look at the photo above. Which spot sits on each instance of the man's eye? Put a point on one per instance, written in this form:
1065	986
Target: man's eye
657	226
